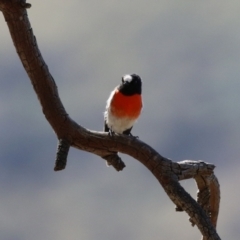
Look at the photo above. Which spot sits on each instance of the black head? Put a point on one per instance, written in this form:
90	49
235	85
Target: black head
131	84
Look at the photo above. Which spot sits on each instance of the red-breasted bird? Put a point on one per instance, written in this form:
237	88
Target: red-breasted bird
124	105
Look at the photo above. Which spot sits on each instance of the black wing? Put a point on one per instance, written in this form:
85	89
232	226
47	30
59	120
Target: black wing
106	128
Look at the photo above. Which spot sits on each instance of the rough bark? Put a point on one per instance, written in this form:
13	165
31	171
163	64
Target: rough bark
203	212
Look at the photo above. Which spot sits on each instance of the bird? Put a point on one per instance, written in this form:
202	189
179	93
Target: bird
124	106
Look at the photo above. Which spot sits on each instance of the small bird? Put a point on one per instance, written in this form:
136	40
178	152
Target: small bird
124	105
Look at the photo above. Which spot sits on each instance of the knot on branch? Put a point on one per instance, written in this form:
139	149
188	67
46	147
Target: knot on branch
13	5
115	161
25	5
62	153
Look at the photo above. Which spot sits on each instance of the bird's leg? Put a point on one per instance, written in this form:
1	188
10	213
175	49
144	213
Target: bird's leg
111	132
130	134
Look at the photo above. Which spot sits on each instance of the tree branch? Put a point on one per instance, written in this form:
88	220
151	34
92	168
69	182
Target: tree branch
62	152
204	213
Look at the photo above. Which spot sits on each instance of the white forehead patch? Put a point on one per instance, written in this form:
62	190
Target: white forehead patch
127	78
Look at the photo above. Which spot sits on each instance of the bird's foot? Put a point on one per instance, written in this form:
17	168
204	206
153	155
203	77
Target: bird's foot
133	136
111	132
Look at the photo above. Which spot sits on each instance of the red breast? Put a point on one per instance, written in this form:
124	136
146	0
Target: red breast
126	106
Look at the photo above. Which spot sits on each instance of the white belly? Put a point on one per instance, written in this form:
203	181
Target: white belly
118	125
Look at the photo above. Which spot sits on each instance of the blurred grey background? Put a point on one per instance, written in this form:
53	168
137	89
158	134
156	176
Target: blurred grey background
187	53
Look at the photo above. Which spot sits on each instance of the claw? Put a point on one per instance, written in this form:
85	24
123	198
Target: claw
133	136
111	132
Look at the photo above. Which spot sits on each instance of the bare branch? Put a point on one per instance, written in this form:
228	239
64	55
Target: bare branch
70	133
